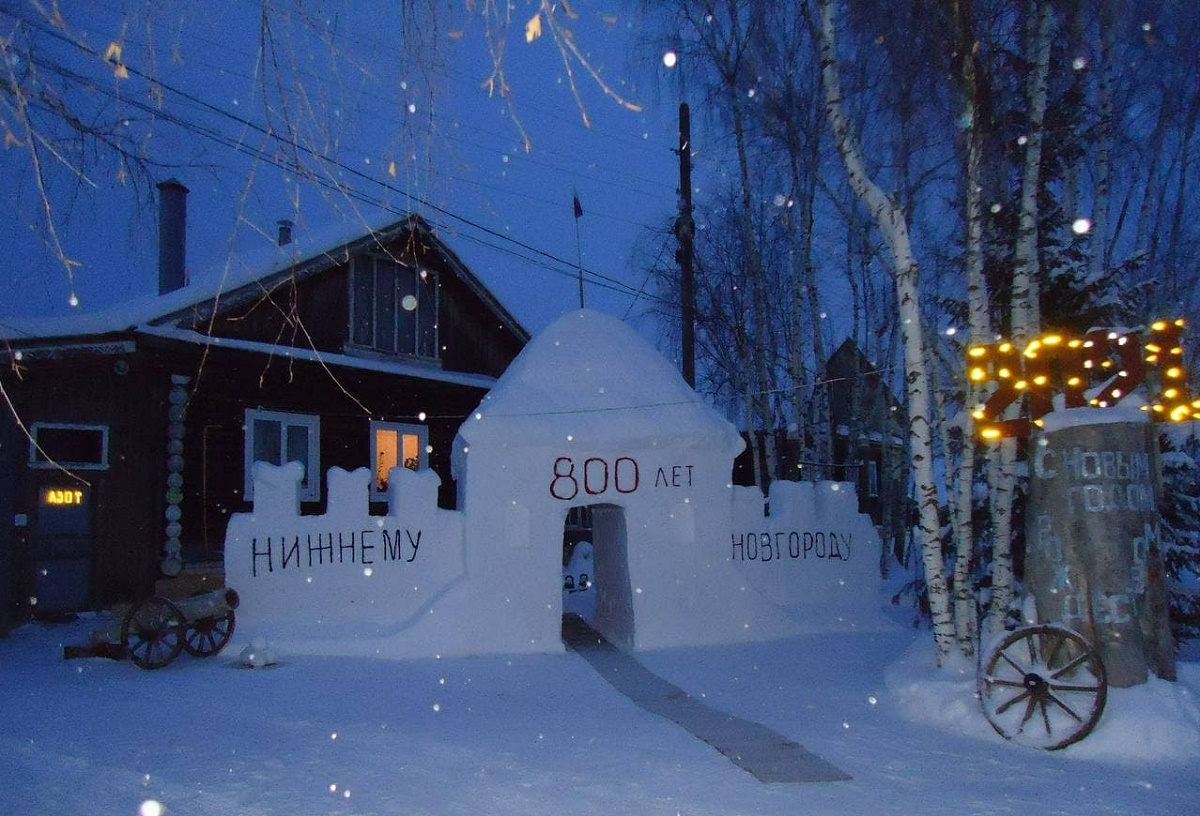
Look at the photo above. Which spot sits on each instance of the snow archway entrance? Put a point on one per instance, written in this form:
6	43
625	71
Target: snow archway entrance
591	414
596	576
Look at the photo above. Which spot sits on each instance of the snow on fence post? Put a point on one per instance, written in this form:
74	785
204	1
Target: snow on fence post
1093	562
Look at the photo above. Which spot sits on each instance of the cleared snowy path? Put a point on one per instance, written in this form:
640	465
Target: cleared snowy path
767	754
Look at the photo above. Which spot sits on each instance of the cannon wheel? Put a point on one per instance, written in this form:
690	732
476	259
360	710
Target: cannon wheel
1043	686
152	633
207	636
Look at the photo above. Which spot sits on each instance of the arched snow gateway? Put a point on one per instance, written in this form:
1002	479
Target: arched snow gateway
590	423
590	415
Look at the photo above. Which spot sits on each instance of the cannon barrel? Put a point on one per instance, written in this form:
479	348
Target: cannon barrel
212	604
154	631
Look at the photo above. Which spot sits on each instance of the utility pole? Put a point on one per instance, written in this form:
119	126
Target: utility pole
685	229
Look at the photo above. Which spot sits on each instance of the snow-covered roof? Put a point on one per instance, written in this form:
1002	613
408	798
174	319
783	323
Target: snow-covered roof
250	271
253	272
402	368
588	378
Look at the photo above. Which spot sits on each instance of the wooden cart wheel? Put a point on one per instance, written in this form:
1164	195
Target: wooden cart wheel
153	633
1043	686
207	636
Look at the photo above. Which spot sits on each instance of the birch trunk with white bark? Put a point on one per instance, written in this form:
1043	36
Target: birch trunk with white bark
1026	313
966	606
892	223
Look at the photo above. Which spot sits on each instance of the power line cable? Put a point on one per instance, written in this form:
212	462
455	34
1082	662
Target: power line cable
568	268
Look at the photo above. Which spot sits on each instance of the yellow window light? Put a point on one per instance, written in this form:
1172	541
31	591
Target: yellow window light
977	351
1040	379
990	433
1052	339
1174	371
1158	325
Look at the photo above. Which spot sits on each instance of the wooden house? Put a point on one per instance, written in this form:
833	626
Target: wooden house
131	433
868	428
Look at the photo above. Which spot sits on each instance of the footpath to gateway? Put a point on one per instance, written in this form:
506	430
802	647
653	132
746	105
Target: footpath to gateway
767	754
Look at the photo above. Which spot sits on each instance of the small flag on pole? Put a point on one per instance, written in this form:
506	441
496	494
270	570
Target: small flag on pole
578	243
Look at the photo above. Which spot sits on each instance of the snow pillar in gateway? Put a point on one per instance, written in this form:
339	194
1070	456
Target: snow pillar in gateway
1093	561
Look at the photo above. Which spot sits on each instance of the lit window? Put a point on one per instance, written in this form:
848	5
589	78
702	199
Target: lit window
276	438
394	445
393	307
81	447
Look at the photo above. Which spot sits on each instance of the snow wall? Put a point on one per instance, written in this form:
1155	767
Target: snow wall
588	415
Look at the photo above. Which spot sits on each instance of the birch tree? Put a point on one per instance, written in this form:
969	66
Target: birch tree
1025	307
793	120
892	224
974	122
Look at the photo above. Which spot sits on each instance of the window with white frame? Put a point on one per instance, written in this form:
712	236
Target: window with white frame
279	437
393	307
62	444
396	445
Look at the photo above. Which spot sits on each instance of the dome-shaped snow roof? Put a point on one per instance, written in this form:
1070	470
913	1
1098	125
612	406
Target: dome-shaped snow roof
591	378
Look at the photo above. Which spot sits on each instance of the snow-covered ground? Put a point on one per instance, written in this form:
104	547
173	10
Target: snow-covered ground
543	734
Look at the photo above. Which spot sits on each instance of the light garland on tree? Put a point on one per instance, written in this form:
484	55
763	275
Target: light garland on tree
1099	370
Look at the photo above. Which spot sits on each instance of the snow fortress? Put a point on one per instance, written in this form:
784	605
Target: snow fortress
588	415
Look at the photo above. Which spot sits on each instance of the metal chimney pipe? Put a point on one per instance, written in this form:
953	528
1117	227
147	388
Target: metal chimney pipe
172	235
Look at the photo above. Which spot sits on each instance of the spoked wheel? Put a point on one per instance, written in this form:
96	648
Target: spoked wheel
207	636
152	633
1043	686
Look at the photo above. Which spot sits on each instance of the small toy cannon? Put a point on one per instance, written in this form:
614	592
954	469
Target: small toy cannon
156	630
